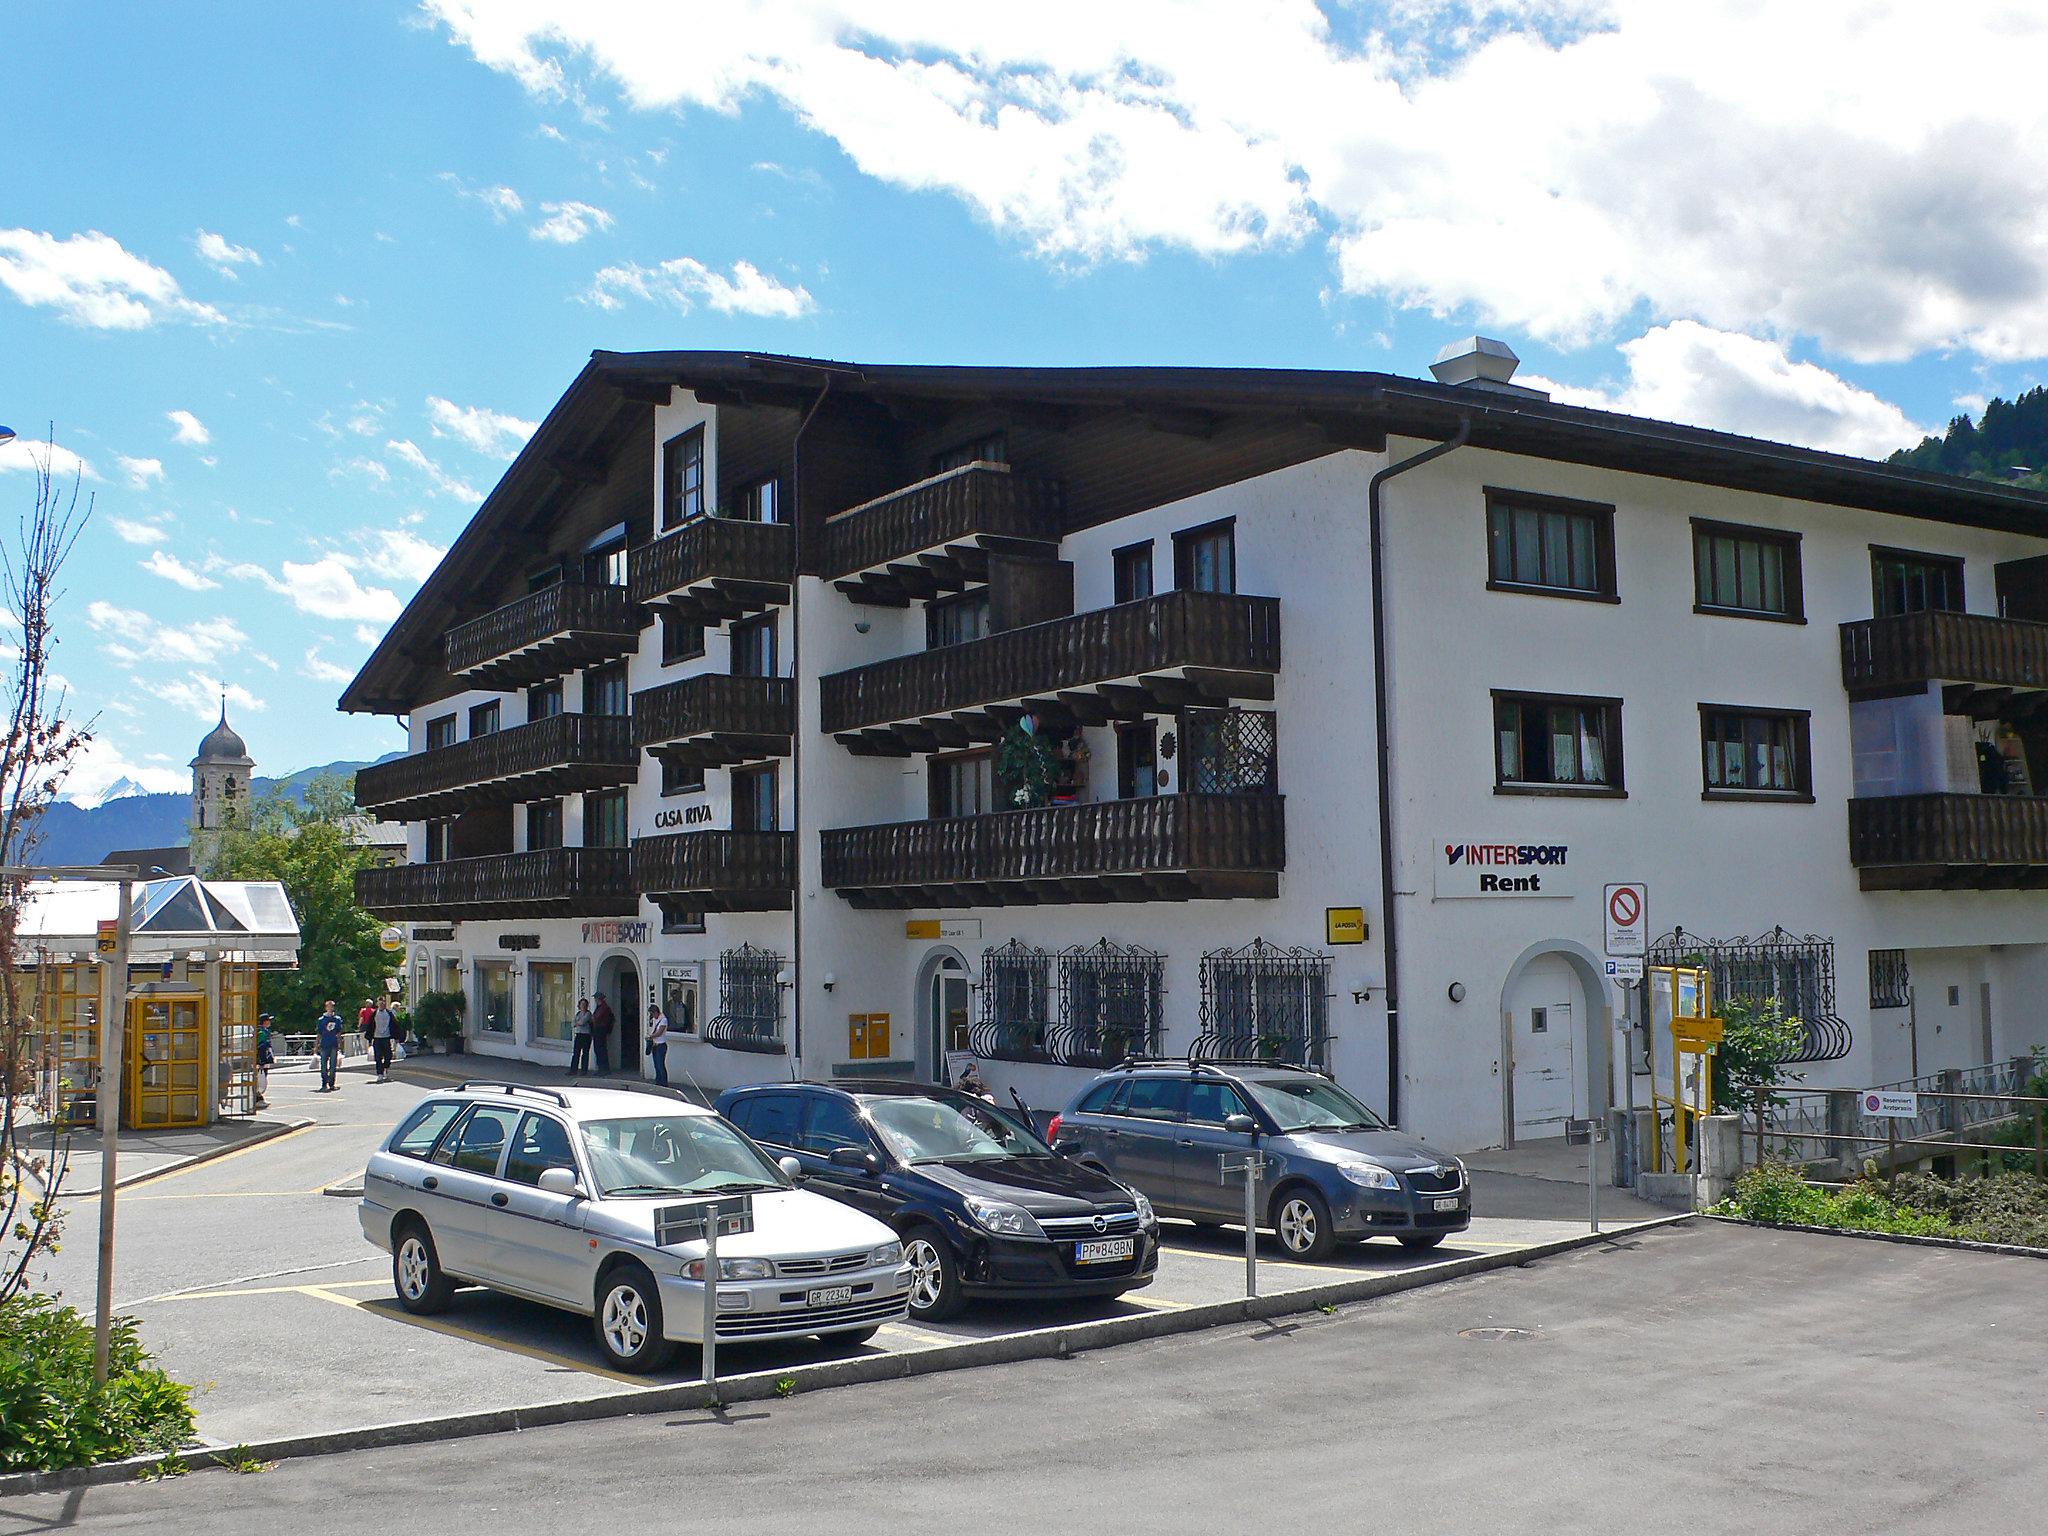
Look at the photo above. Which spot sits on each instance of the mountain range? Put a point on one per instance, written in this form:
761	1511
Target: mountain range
128	816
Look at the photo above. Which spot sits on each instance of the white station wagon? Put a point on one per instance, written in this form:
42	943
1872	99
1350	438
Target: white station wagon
562	1196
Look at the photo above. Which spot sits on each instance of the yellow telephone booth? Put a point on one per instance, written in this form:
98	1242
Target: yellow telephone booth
167	1062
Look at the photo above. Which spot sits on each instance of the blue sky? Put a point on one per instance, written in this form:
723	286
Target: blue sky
292	282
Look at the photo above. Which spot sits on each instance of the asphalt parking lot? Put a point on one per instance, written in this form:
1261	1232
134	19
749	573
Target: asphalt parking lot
256	1286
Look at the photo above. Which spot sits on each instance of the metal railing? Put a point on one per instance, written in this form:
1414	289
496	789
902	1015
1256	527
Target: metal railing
1955	1107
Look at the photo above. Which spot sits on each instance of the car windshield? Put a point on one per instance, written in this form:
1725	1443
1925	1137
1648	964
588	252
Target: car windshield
674	1154
1311	1104
921	1130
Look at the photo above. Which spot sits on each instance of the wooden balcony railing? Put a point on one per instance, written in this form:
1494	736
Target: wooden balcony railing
718	871
545	882
714	720
1161	848
546	633
564	754
713	569
1956	842
1158	655
1912	649
935	536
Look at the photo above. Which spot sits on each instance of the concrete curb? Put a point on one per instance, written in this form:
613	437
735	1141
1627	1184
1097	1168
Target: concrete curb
2008	1250
1035	1344
268	1133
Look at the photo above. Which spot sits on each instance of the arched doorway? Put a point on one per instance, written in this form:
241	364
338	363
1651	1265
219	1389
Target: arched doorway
942	1012
1554	1042
618	980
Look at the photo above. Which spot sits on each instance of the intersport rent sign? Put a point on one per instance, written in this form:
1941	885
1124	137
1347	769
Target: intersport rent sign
1503	869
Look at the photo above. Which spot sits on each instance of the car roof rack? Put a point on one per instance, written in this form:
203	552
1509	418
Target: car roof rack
1211	1063
484	1085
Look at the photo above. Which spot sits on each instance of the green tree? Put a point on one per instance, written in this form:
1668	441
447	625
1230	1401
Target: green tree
313	844
1758	1039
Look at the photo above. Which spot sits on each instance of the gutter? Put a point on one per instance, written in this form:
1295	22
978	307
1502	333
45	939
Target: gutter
796	740
1382	751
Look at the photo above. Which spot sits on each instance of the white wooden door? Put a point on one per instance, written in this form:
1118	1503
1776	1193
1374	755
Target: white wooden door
1544	1024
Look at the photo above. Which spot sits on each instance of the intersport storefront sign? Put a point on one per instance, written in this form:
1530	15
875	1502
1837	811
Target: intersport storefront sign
1503	869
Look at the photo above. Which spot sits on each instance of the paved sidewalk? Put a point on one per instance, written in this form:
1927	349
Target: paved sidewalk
142	1155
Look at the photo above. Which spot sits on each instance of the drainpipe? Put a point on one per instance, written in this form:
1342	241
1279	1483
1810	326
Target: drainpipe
1376	533
796	743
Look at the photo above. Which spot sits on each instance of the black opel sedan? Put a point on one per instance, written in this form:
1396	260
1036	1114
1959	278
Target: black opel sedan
984	1207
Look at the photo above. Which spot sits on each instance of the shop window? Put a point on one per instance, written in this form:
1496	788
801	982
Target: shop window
604	690
492	996
441	731
955	620
753	647
962	784
682	478
604	820
1547	743
1549	545
1133	572
679	1000
1903	581
679	778
680	641
544	700
551	999
1750	572
1754	752
483	719
544	824
1137	760
755	805
1205	559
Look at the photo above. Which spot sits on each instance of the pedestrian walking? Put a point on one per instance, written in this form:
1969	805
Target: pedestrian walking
657	1043
266	1057
327	1045
383	1036
579	1028
601	1022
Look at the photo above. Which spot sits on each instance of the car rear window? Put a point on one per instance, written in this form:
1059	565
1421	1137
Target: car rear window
423	1127
1096	1100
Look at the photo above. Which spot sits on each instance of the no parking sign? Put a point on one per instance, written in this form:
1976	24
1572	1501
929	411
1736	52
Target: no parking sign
1625	910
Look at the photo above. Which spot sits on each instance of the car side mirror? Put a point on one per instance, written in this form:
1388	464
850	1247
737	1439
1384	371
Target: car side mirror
560	1181
1243	1125
854	1157
792	1170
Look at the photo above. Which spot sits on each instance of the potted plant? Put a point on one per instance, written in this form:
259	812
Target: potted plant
439	1017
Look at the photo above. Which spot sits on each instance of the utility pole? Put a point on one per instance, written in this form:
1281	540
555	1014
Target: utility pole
113	1057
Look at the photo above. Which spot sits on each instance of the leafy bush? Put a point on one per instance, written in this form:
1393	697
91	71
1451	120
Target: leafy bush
51	1414
439	1015
1759	1037
2006	1208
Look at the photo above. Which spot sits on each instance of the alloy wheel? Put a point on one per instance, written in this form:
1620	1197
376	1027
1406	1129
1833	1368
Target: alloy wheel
1297	1225
926	1275
414	1269
625	1321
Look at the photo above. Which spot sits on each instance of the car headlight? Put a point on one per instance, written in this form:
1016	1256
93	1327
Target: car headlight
1002	1218
733	1269
1371	1175
888	1253
1145	1216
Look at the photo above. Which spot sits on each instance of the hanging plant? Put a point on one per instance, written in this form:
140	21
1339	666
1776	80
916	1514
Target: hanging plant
1025	762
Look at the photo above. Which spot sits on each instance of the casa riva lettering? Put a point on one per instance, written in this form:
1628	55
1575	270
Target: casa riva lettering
683	816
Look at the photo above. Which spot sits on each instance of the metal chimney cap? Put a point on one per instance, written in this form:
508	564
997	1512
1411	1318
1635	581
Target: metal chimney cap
1475	358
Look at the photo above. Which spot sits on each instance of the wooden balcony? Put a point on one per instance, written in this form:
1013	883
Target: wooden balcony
715	569
936	536
1949	842
564	754
1155	656
545	882
718	871
714	720
1163	848
546	633
1987	666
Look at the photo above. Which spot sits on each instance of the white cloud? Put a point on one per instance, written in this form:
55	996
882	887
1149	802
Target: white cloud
140	472
132	531
1849	173
201	641
171	568
323	670
224	255
443	482
567	223
1686	372
189	429
94	281
396	554
502	201
685	282
489	432
27	453
325	588
369	469
367	634
200	695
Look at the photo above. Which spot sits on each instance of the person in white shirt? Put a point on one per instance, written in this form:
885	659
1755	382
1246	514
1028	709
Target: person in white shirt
657	1043
382	1034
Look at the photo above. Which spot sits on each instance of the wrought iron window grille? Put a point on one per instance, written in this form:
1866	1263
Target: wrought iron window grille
1798	971
1015	1004
1891	979
1110	1004
749	1002
1266	1002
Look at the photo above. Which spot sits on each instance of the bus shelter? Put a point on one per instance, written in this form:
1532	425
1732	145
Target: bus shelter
196	948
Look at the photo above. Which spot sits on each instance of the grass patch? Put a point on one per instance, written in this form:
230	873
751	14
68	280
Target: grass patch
2009	1208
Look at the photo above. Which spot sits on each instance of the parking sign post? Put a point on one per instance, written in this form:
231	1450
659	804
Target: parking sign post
1589	1134
704	1219
711	1279
1251	1165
